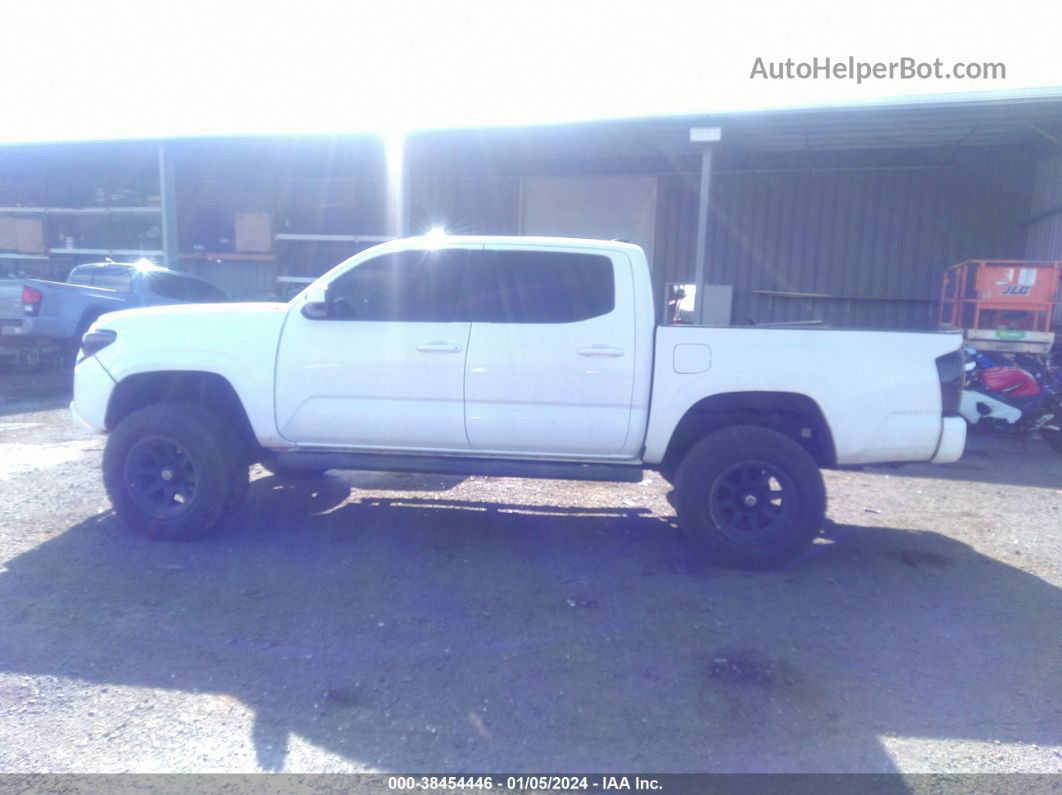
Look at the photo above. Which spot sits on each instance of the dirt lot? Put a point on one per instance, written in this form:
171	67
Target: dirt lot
399	623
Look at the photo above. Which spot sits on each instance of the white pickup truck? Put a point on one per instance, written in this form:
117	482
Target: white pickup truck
507	356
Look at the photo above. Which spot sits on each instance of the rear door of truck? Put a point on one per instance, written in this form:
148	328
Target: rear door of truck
551	358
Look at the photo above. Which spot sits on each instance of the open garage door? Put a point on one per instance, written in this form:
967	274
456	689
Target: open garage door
605	207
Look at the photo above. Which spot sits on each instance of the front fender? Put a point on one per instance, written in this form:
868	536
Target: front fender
251	380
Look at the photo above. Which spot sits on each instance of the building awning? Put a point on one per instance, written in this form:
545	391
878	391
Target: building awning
1030	118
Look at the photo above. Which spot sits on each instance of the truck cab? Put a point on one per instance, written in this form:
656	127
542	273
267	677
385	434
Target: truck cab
449	336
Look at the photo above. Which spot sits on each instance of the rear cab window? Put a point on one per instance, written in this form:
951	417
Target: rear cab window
80	275
113	278
109	277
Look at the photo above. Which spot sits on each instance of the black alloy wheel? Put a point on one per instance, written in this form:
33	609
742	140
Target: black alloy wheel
752	502
161	477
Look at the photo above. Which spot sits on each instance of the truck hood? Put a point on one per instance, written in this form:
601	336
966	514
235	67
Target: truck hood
236	341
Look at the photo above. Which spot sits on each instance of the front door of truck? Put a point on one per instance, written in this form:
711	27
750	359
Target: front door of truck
551	357
384	368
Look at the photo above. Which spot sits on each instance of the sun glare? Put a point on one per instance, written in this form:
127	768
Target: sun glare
394	142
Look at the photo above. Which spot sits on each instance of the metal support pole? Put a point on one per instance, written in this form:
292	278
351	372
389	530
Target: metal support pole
168	194
702	234
404	222
397	173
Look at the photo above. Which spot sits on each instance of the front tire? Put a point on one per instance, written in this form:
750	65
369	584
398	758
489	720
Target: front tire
749	497
174	471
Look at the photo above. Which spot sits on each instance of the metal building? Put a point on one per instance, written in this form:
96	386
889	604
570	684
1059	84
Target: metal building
843	215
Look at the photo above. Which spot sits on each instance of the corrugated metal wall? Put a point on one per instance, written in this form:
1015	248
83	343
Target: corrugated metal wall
678	198
1045	233
874	240
465	205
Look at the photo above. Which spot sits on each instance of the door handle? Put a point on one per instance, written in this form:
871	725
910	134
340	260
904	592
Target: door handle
439	347
600	350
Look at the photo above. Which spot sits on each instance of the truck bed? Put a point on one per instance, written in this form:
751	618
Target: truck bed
878	389
62	307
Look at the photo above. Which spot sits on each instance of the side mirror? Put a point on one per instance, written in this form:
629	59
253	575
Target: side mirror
315	307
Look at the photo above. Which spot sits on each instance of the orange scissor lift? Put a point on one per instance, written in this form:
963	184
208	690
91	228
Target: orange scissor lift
1002	305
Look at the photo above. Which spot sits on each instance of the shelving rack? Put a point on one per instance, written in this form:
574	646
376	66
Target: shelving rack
123	252
71	233
311	238
102	210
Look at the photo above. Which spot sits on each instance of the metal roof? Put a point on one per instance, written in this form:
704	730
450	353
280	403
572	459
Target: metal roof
1008	121
1027	119
1018	119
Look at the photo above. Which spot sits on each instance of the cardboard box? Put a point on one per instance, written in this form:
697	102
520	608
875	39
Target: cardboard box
29	235
25	235
254	232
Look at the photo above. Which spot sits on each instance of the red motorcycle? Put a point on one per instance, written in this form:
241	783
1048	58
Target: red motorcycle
1000	395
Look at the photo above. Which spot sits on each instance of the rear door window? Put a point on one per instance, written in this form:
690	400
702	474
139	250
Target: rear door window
538	287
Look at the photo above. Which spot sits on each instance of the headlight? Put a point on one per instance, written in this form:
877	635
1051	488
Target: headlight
92	342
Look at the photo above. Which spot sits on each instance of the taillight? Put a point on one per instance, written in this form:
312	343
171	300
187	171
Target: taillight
31	301
92	342
951	368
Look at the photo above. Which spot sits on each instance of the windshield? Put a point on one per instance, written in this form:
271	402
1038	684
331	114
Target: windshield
184	288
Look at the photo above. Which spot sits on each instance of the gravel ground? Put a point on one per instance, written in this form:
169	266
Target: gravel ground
405	623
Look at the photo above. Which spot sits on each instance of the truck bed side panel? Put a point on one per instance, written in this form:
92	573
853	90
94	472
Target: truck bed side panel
879	391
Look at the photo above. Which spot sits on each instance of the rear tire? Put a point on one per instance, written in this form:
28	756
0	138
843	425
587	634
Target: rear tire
749	497
174	471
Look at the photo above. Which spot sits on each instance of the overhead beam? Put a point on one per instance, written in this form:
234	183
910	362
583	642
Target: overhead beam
1053	138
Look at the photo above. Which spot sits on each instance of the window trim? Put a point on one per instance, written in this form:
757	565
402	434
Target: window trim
607	256
461	311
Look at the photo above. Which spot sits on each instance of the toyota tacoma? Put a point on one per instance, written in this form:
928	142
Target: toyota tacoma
511	357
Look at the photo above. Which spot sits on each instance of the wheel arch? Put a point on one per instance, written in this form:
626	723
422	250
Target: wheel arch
794	414
88	316
203	388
